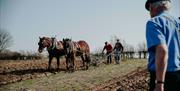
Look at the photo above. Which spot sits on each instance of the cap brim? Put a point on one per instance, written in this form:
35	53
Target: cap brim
147	5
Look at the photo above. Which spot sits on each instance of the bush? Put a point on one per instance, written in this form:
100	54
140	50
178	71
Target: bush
8	55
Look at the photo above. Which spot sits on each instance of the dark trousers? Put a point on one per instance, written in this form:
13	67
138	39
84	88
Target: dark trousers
172	81
109	59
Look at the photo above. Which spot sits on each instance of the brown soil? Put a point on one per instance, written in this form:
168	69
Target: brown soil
14	71
134	81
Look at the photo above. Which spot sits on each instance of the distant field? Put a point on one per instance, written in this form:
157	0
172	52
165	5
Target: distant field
93	79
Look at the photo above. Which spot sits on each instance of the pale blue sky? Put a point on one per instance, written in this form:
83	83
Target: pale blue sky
94	21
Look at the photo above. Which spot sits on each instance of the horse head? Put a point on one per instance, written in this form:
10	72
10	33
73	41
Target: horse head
67	45
43	43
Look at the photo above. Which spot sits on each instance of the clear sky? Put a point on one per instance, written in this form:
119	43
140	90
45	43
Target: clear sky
94	21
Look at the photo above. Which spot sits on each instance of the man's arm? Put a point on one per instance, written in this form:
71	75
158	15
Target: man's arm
103	49
115	46
161	65
122	48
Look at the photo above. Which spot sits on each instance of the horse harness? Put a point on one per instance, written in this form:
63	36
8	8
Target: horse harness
54	44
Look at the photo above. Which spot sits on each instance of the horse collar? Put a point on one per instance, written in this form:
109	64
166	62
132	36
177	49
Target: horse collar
52	45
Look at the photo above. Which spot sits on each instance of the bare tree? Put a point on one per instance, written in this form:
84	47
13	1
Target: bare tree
142	46
125	45
98	50
113	39
5	40
142	49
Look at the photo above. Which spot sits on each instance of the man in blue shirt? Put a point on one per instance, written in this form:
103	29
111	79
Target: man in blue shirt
163	42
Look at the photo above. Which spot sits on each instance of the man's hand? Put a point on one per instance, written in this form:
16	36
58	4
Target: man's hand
159	87
102	52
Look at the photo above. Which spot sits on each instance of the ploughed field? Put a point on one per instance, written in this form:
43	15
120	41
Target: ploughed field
32	75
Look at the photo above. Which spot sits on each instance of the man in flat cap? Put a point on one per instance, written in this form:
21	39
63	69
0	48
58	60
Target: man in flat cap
118	49
163	42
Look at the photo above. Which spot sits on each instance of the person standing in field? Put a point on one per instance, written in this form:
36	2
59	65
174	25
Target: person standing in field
118	49
163	42
109	49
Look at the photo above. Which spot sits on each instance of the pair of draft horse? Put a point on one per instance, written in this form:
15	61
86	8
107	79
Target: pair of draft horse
67	48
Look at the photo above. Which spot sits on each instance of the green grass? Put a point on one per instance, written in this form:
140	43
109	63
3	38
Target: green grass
79	80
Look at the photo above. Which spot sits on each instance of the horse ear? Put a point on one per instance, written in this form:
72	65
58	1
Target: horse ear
39	37
63	39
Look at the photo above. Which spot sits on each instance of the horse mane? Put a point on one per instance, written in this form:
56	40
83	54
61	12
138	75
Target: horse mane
67	39
46	37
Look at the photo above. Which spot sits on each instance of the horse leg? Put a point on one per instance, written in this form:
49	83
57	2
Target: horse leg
50	59
73	59
58	63
71	63
67	63
88	60
82	57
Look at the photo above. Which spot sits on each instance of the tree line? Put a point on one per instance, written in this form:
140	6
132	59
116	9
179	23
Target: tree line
6	41
9	55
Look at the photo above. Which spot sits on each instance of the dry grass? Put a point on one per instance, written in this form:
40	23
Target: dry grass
79	80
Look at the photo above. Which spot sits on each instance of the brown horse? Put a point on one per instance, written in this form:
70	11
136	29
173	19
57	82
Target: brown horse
73	49
54	48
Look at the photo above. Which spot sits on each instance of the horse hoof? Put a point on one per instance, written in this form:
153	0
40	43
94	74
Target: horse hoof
58	70
48	69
